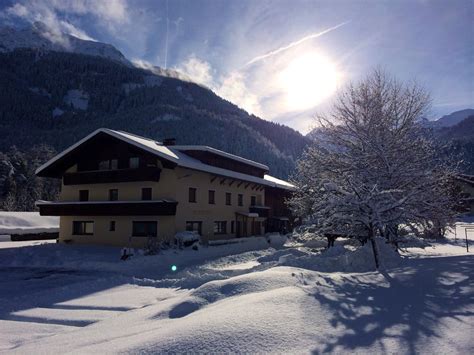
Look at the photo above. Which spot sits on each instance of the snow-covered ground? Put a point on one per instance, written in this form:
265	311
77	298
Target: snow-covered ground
239	298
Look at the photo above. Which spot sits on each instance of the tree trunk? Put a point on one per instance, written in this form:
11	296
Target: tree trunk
374	247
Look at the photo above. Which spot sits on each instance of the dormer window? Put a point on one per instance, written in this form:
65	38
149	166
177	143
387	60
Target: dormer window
134	162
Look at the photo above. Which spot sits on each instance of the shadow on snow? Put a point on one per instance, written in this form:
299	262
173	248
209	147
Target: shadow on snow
404	305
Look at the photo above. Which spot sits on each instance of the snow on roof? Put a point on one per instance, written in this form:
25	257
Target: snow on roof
175	155
205	148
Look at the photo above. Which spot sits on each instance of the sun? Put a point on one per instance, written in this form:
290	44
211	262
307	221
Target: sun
308	80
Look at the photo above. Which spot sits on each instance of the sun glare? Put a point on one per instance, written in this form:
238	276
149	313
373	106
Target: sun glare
308	80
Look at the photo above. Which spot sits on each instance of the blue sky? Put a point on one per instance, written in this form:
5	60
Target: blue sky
282	60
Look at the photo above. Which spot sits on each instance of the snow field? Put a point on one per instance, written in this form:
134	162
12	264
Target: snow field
237	298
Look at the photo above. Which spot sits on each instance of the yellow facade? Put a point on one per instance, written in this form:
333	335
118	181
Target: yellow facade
174	185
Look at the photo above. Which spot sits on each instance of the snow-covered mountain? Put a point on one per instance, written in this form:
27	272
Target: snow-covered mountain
38	36
453	118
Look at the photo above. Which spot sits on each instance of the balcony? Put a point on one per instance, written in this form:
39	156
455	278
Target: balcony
108	208
263	211
112	176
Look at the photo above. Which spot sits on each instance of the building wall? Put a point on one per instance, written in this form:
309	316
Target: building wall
128	191
174	184
123	230
208	213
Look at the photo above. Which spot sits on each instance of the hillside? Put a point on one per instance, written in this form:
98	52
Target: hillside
461	137
453	118
55	98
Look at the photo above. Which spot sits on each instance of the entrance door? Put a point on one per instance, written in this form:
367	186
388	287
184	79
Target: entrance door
256	230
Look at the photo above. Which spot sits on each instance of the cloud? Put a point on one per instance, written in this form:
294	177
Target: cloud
111	15
141	63
233	87
198	70
74	31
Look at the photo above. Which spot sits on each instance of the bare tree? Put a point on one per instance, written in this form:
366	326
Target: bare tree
373	168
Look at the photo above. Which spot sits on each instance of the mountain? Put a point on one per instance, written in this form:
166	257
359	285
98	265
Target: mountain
453	118
38	36
462	131
461	139
455	133
56	97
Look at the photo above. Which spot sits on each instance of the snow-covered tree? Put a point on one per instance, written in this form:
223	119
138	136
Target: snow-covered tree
373	169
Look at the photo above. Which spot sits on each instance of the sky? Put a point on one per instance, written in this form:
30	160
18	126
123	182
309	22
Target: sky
280	60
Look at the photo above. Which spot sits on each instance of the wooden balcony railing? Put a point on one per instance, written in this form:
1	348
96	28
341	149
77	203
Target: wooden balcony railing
107	176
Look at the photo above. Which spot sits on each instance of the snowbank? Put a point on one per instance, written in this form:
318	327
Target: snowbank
342	259
27	222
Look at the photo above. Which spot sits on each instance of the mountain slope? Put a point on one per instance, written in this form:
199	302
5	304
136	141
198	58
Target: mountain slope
56	98
453	118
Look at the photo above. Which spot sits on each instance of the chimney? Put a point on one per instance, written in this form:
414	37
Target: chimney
169	141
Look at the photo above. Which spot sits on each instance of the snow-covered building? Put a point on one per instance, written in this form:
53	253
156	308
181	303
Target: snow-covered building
118	188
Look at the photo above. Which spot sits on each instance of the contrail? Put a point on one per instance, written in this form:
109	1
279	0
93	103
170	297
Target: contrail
166	40
293	44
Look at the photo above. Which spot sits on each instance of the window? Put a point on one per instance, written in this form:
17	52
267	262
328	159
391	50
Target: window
253	201
144	229
83	195
146	193
112	226
220	227
240	200
104	165
111	164
113	195
194	226
228	198
192	194
134	162
212	197
232	227
82	227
